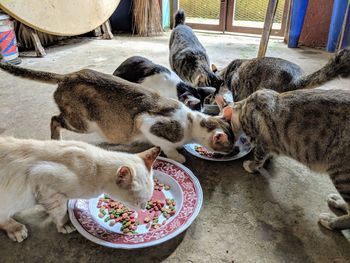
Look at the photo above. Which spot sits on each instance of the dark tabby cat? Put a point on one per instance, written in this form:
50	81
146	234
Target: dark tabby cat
244	76
162	80
125	112
311	126
188	58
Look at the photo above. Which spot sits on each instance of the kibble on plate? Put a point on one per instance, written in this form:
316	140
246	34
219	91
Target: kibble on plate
115	212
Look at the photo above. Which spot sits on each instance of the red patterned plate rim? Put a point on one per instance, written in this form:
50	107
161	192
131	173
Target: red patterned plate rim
192	203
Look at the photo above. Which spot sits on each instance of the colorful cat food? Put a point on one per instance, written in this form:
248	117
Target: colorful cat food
204	152
114	212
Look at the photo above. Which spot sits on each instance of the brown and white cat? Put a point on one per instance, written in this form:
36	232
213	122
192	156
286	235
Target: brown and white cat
125	112
245	76
51	172
310	126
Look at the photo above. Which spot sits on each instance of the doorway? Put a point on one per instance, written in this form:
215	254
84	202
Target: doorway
239	16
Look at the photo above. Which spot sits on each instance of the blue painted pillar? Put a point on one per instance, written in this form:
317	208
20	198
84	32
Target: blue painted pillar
165	14
299	8
338	14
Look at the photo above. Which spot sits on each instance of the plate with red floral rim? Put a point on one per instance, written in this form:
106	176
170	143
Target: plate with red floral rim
178	190
242	148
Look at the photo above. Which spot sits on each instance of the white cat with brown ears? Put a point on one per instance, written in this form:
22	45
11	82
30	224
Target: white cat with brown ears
123	112
51	172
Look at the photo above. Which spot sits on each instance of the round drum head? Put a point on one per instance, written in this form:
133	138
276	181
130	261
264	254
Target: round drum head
60	17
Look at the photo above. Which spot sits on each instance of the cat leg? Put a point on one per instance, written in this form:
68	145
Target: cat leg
55	205
260	156
165	134
336	201
14	230
341	182
333	222
56	127
174	154
73	123
52	183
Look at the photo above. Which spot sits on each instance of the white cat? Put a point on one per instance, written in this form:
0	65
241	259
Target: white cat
51	172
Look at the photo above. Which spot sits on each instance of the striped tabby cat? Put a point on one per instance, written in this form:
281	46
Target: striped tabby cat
188	58
311	126
245	76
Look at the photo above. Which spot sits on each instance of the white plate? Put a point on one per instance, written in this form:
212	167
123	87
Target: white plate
242	143
185	190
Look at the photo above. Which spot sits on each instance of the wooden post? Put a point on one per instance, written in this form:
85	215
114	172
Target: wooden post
97	32
173	8
286	32
107	31
270	14
342	32
40	51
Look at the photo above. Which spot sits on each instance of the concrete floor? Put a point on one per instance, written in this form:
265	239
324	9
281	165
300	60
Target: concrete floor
245	218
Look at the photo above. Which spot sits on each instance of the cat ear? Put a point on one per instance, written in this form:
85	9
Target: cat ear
149	156
124	177
227	113
206	91
191	101
200	80
214	68
220	101
220	137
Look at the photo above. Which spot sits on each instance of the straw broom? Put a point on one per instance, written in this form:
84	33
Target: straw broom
146	17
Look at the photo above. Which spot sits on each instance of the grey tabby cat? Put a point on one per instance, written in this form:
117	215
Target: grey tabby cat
244	76
188	58
310	126
155	77
125	112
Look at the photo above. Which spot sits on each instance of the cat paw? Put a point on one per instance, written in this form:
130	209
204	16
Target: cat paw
66	229
325	219
18	233
178	157
247	166
336	201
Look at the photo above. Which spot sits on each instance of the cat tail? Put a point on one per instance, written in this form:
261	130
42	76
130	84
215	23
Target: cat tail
179	17
338	66
41	76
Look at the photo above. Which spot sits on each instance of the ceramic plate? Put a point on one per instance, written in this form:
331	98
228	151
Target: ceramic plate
185	190
242	145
